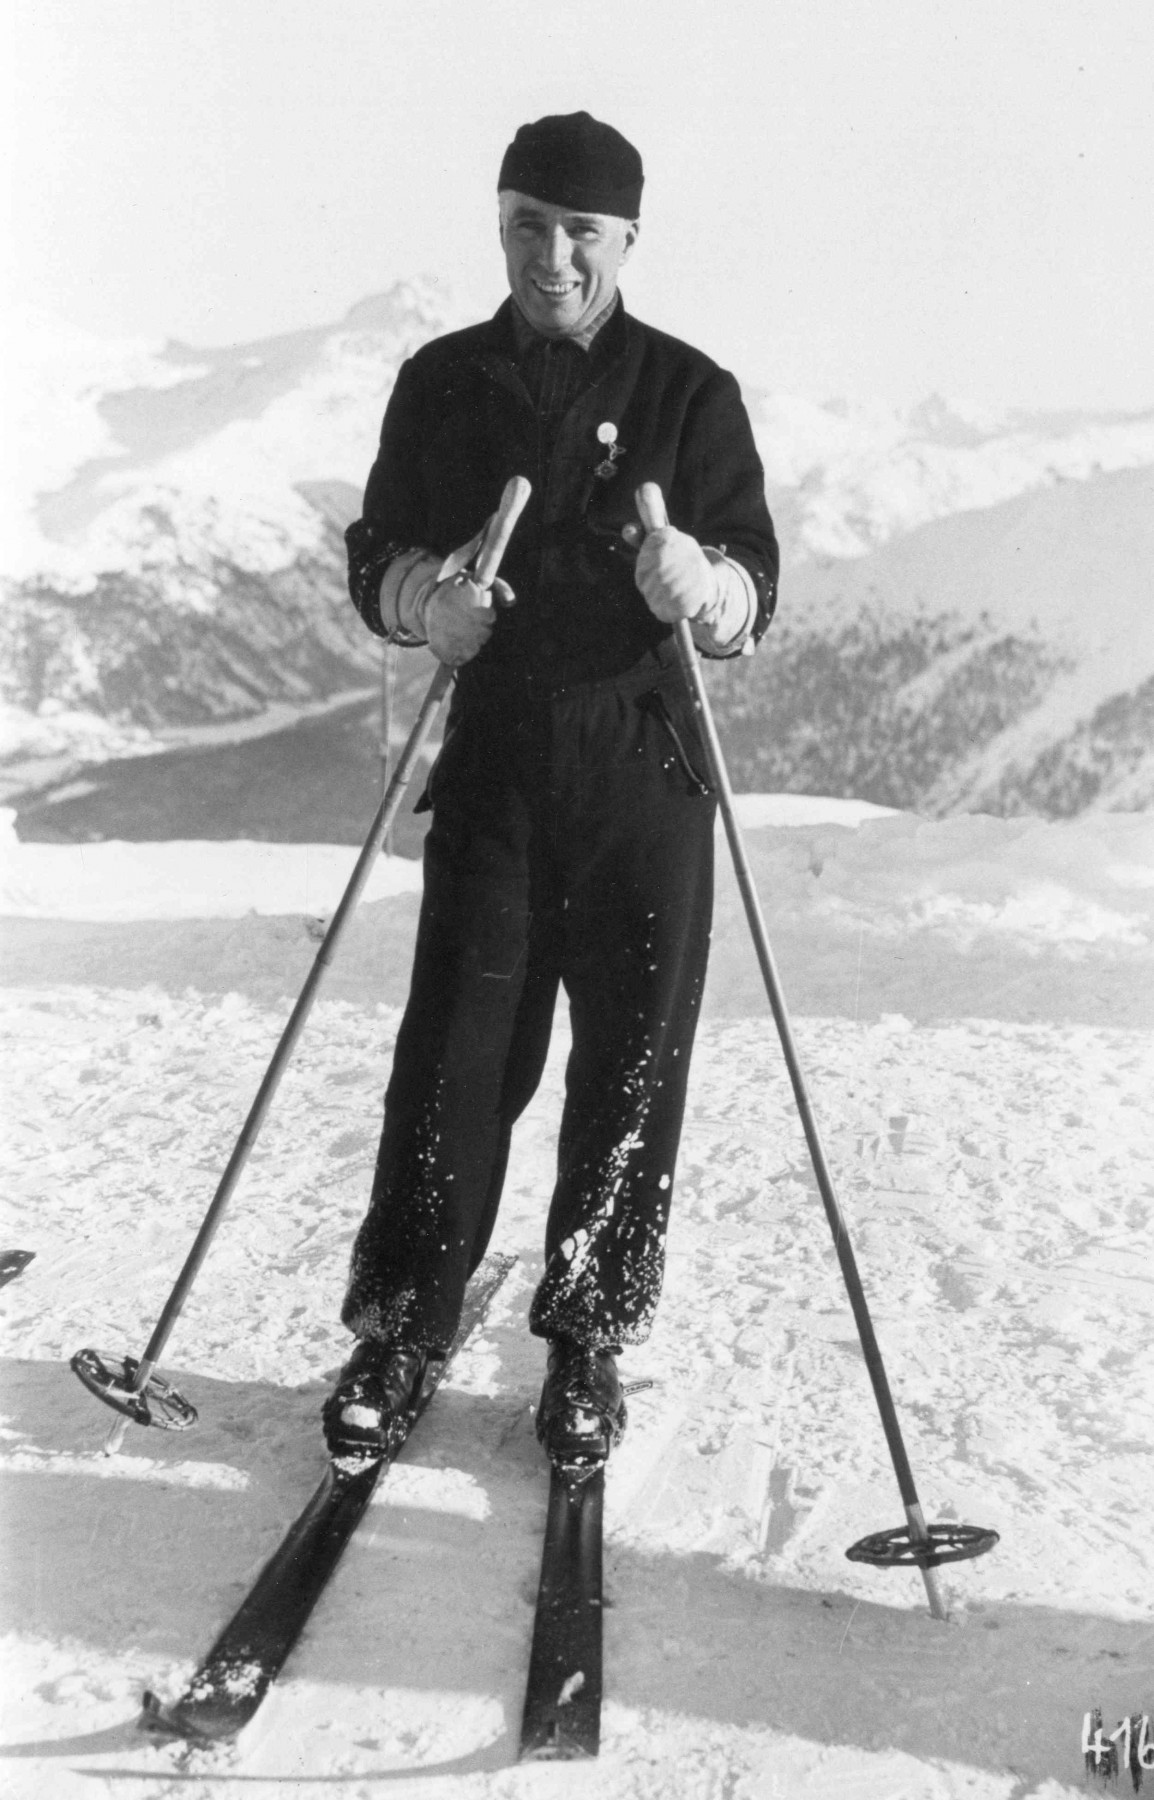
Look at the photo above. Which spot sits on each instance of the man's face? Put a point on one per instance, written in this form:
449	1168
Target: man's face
562	264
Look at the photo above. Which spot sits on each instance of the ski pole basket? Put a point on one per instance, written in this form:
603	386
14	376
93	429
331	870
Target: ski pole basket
13	1263
113	1380
131	1387
943	1543
915	1543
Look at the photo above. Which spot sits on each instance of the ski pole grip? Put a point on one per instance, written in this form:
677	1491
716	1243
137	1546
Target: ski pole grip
500	530
650	503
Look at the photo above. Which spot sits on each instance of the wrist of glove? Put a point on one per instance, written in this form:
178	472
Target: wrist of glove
723	628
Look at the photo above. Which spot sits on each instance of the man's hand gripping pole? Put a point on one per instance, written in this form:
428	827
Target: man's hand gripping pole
131	1387
915	1542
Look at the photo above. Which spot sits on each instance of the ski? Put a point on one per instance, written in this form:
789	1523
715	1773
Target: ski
562	1717
250	1652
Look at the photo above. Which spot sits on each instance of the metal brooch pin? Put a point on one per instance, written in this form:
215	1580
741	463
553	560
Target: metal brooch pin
607	435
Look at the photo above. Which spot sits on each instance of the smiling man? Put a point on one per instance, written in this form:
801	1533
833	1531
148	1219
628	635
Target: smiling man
571	841
563	265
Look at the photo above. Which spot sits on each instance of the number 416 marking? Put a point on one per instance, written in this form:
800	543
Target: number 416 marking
1131	1736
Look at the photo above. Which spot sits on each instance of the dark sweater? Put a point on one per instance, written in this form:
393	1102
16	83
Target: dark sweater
460	422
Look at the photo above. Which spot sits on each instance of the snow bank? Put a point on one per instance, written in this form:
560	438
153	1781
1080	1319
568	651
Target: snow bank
1068	883
198	880
755	811
859	868
211	880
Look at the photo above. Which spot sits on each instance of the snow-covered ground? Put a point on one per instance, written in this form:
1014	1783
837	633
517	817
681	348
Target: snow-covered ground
991	1142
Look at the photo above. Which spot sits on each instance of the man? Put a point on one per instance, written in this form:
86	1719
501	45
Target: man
572	833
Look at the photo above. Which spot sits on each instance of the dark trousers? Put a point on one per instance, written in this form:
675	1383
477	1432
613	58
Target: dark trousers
571	843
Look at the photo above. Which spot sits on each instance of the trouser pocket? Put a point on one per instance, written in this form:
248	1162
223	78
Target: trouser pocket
690	763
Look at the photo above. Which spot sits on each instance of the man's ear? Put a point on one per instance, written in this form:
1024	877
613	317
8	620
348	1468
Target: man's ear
632	233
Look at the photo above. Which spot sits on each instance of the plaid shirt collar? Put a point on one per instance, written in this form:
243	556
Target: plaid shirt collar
528	338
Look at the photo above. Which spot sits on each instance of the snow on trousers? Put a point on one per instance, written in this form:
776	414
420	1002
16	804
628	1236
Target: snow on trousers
571	843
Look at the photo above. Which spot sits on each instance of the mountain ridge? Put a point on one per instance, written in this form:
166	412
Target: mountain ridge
174	560
995	661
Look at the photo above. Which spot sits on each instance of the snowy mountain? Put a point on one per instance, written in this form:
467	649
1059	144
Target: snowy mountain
173	552
999	660
173	561
853	477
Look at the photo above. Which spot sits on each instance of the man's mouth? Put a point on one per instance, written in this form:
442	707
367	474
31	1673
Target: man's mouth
556	290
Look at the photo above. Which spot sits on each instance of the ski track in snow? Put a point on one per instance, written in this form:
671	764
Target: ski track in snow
998	1181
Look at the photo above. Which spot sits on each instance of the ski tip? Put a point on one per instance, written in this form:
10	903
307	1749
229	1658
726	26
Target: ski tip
231	1682
172	1723
156	1719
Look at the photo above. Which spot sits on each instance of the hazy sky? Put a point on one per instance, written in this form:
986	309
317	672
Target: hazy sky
877	199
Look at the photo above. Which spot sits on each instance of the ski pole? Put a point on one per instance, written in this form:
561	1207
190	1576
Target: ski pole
129	1388
916	1542
388	688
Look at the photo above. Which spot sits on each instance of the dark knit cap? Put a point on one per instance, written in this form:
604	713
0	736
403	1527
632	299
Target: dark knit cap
571	159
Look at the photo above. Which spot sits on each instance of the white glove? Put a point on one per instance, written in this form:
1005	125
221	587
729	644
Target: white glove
427	599
680	580
457	617
674	575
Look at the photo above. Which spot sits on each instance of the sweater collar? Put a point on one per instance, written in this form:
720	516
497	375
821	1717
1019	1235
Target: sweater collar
610	334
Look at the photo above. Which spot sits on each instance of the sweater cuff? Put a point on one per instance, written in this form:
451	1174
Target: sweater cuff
405	586
722	628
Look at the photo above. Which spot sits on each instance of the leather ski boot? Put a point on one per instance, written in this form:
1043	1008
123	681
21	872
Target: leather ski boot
369	1412
582	1412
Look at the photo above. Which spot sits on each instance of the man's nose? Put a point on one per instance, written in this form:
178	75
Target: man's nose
557	247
